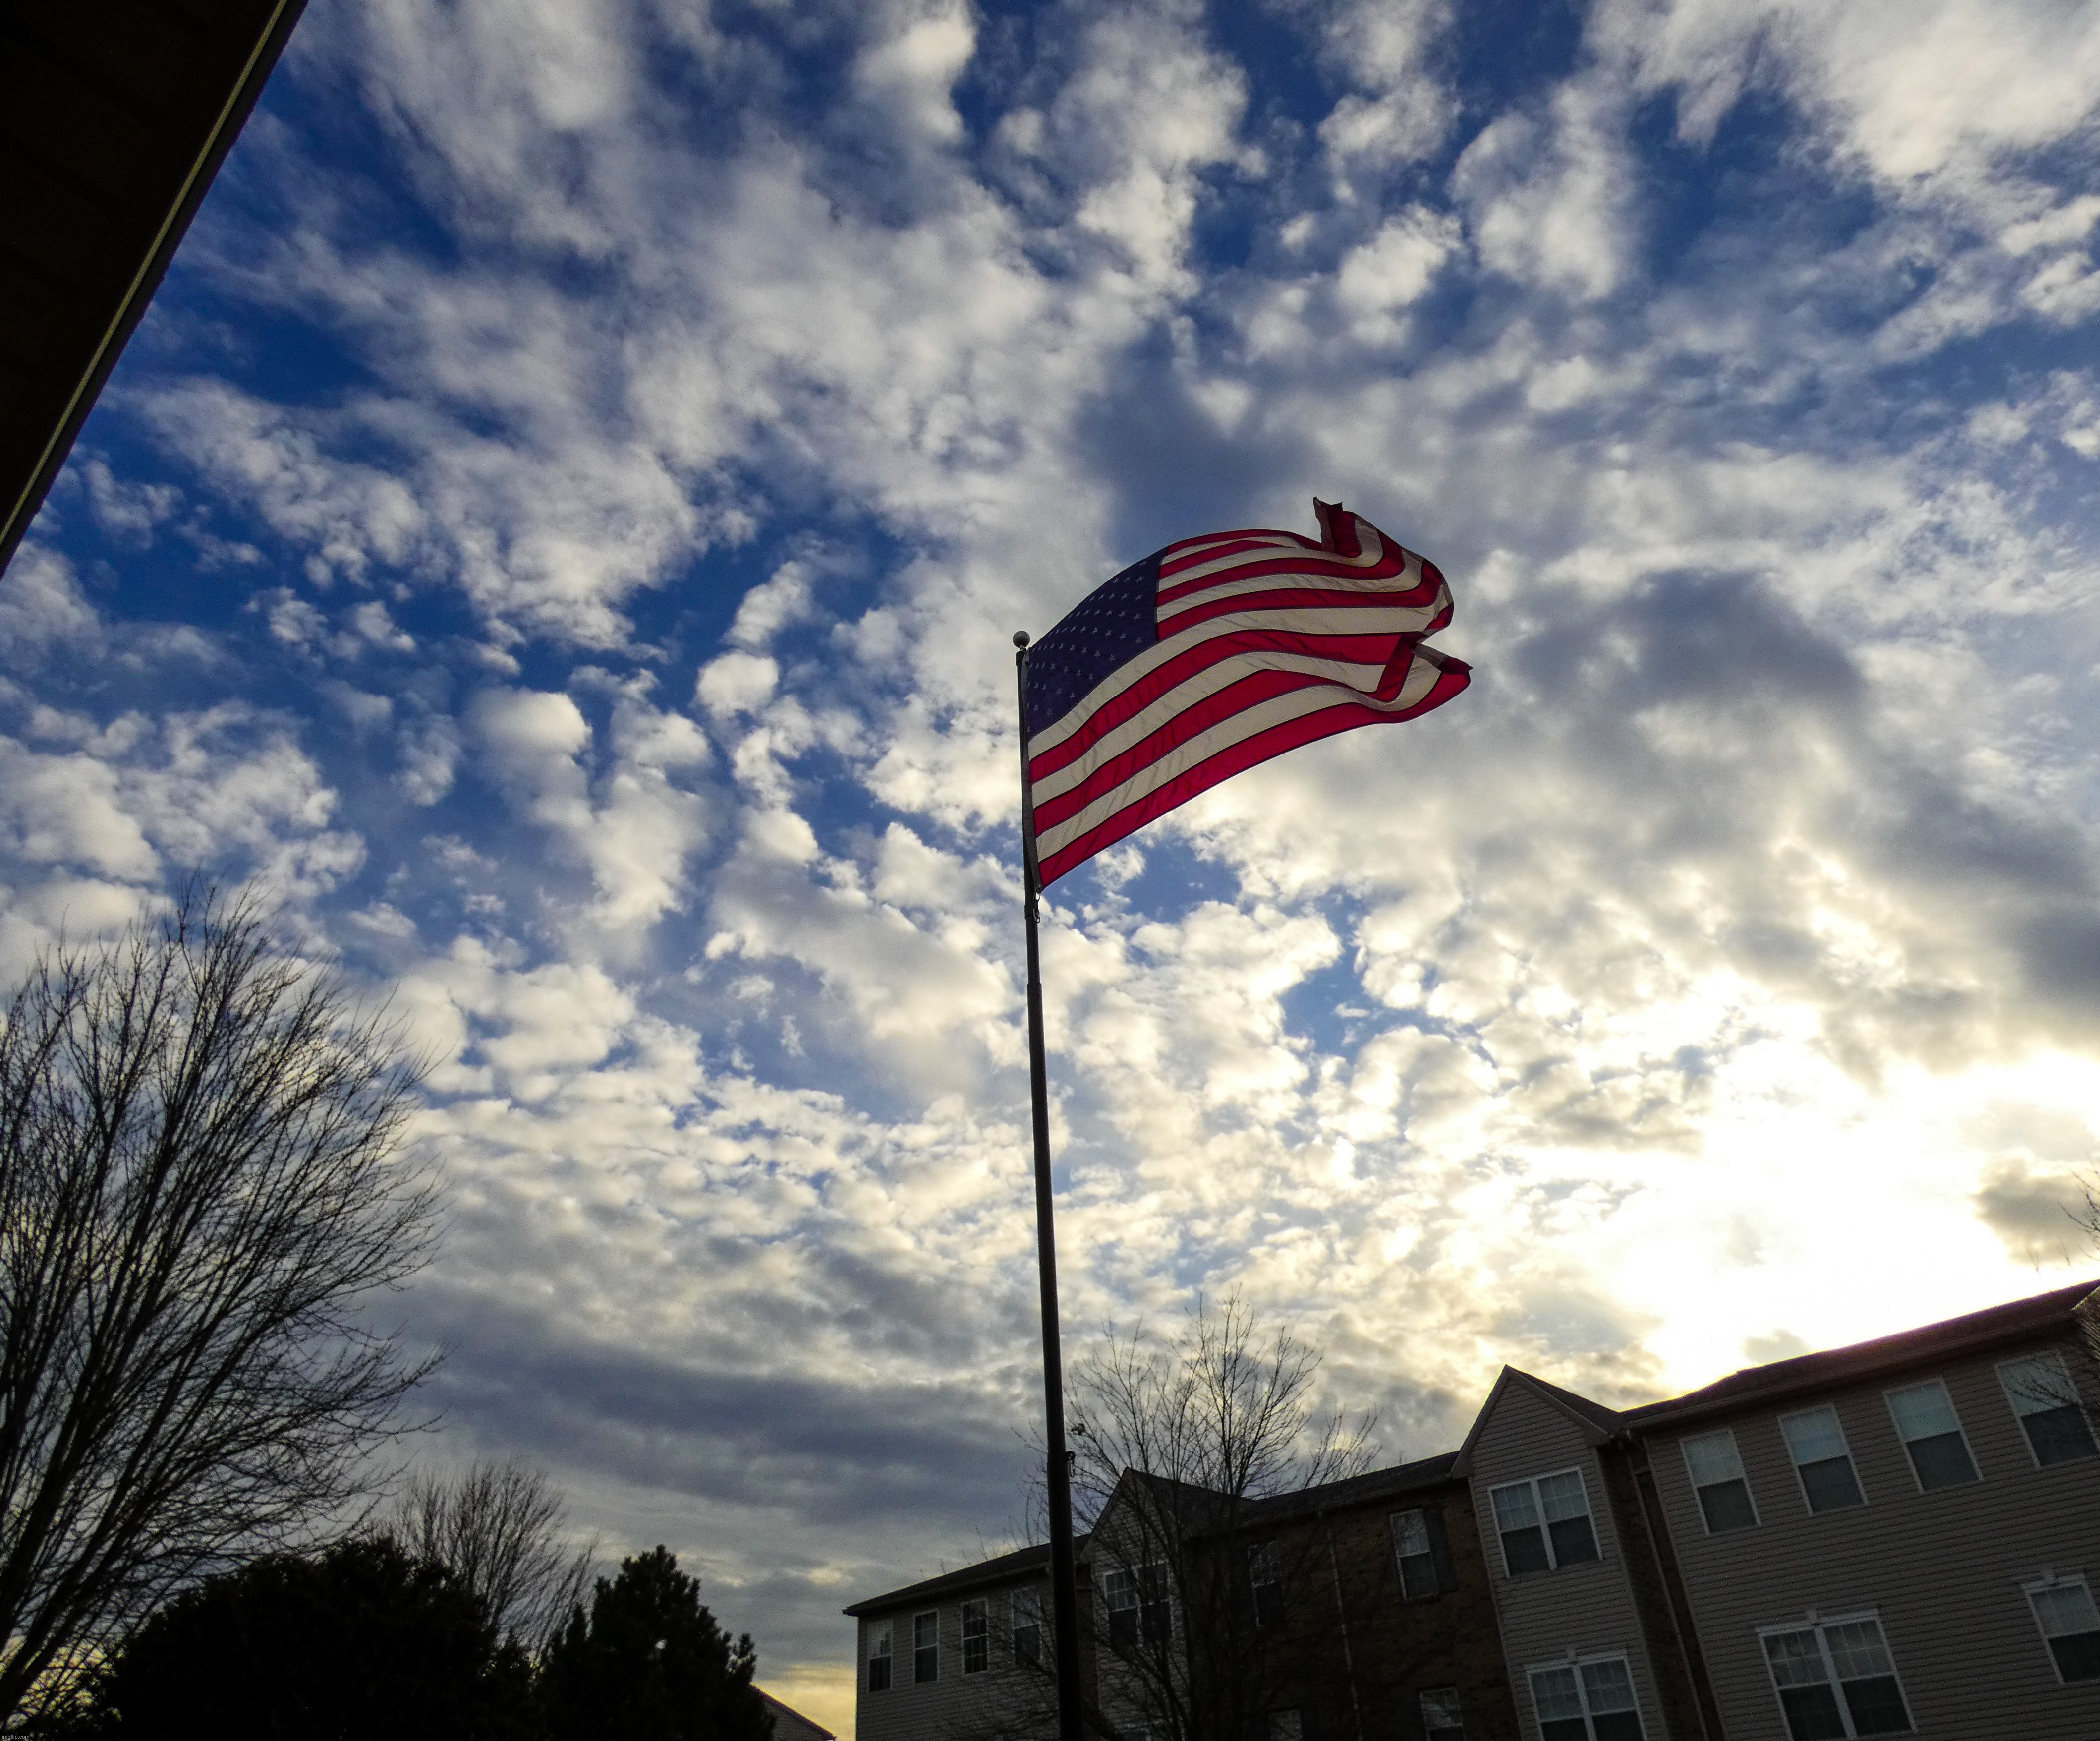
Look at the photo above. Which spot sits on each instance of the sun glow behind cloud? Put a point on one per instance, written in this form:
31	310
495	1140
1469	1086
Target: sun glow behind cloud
563	519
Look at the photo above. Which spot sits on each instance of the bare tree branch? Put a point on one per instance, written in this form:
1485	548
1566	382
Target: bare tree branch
498	1528
199	1198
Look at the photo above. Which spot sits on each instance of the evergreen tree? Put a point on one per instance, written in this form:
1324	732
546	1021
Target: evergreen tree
359	1642
649	1664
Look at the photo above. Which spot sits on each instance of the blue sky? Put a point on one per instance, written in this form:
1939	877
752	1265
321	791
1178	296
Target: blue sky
561	525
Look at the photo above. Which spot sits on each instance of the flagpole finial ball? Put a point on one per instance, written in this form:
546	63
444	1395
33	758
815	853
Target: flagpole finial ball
1021	638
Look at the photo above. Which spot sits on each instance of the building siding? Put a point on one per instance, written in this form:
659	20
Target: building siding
1009	1700
1944	1570
1590	1609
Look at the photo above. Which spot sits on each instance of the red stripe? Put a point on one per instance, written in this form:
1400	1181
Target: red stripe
1192	721
1242	532
1129	702
1394	563
1289	598
1236	758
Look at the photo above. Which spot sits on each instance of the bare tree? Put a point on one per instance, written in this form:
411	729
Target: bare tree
498	1526
1180	1444
200	1199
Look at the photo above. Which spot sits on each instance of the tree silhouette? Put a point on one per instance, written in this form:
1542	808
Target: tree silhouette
361	1642
199	1201
649	1664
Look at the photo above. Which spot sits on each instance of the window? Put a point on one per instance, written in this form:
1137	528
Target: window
2044	1398
925	1648
1416	1553
977	1638
1287	1726
1138	1607
1716	1467
1440	1717
1834	1678
1931	1433
2063	1609
1545	1523
1822	1458
1591	1701
1026	1607
878	1660
1266	1576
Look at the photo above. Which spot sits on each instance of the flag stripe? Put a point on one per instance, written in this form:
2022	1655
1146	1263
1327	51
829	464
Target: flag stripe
1254	705
1197	672
1307	728
1217	653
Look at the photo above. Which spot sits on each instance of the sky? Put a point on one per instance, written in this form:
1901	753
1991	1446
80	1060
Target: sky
560	528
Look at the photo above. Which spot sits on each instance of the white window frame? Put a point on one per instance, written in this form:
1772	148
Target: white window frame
1837	1419
1545	1527
1136	1574
1435	1585
1578	1661
932	1679
1028	1600
1960	1427
882	1635
1458	1700
2072	1395
2054	1580
1264	1572
982	1604
1743	1475
1814	1622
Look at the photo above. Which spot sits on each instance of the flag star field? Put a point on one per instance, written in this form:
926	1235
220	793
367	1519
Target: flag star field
562	525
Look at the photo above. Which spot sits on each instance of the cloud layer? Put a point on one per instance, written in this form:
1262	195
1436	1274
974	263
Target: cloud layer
560	527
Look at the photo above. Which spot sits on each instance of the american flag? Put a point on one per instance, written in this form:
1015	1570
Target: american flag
1215	654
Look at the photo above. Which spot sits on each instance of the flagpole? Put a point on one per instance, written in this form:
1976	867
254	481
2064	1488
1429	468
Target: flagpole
1064	1588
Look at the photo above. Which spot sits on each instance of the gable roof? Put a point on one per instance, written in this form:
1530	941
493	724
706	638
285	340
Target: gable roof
790	1725
1973	1332
1597	1424
1004	1568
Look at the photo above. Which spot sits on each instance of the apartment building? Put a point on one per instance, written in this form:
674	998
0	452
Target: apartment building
1894	1538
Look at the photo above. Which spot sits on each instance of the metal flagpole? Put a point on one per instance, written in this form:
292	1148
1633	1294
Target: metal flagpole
1064	1590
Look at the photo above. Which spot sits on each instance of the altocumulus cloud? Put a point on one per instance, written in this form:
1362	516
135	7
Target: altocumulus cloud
561	524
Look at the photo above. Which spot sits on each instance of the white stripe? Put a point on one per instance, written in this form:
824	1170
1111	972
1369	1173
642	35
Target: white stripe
1369	584
1325	619
1360	676
1248	722
1370	553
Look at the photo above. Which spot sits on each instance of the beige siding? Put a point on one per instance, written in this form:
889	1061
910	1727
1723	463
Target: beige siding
1006	1701
1943	1569
1590	1608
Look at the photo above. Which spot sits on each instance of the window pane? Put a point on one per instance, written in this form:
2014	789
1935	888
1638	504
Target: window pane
2065	1608
1417	1575
1831	1486
1621	1726
1574	1542
1524	1550
878	1674
2037	1384
1261	1562
1923	1411
2077	1655
1439	1708
1796	1659
1727	1506
926	1629
1712	1457
2058	1435
1608	1686
1553	1691
1286	1726
1857	1648
1941	1462
1514	1509
1562	1496
1876	1707
1410	1533
974	1623
1564	1729
1814	1436
1811	1714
